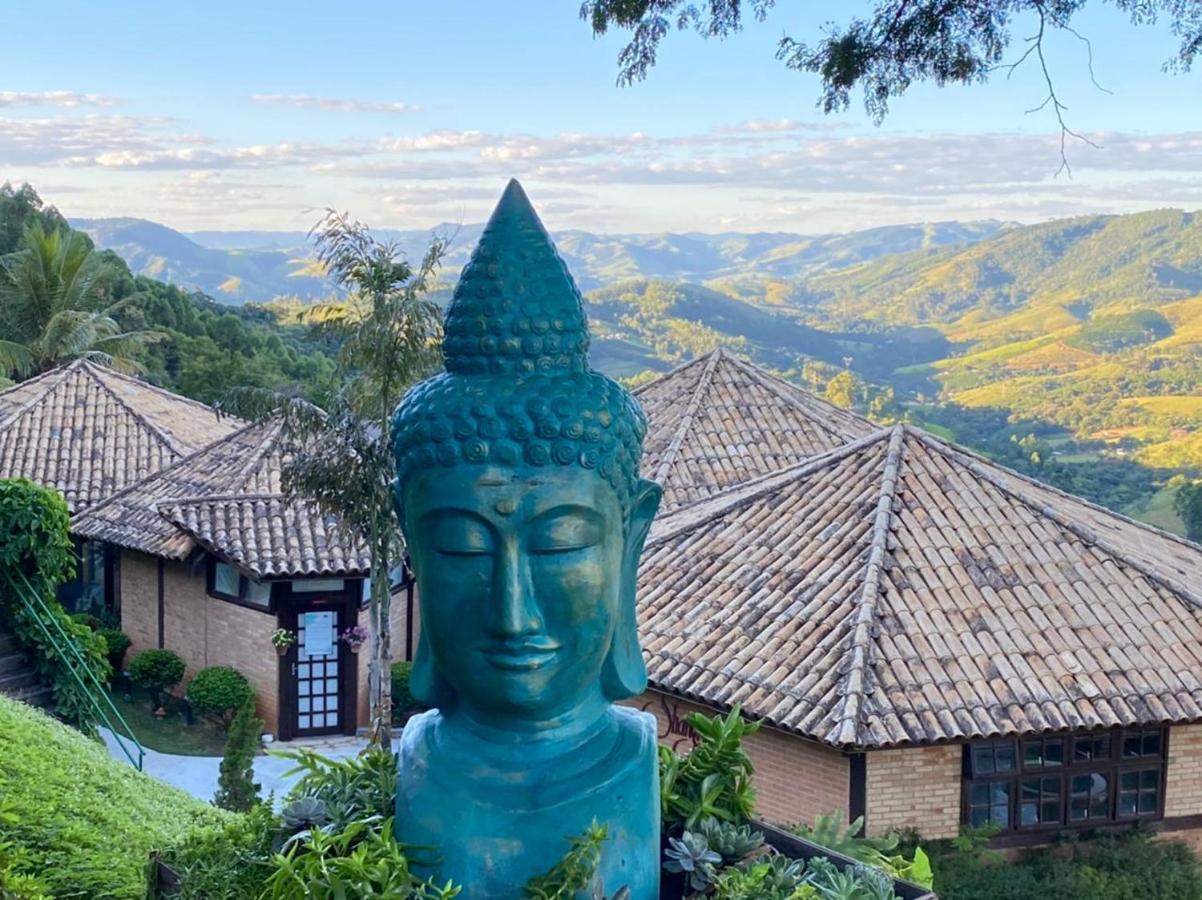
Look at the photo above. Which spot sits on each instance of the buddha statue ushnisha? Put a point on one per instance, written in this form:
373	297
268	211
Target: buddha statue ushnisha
518	492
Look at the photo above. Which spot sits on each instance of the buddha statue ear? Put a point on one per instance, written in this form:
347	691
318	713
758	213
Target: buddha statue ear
624	673
428	687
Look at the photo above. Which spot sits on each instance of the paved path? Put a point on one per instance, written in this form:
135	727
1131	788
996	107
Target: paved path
197	775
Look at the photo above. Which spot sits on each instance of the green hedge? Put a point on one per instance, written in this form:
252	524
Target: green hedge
34	541
84	823
1129	866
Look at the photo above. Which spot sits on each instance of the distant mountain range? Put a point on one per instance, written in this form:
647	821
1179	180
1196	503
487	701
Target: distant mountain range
1093	324
240	266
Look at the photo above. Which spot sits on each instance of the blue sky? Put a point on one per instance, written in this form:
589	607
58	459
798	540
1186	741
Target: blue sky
253	115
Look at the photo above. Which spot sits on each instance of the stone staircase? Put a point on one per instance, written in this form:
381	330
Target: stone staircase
18	677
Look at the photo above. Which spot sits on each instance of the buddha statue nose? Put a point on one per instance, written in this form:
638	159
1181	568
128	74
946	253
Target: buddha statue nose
514	612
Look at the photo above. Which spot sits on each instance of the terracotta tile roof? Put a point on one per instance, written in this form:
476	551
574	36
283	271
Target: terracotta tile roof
719	421
228	498
902	590
88	431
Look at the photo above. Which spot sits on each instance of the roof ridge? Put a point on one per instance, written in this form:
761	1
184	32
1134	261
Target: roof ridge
196	499
980	467
161	434
779	385
694	514
62	372
163	472
675	370
686	418
266	445
846	729
142	383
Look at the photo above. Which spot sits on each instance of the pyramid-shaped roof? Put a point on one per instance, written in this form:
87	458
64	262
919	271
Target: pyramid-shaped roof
719	421
902	590
88	431
228	498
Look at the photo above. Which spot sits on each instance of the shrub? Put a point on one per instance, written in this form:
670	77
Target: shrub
36	547
714	780
361	860
403	701
84	822
1108	867
219	691
157	671
116	642
226	862
237	790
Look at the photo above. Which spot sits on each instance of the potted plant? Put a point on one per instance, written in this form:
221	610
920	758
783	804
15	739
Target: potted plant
282	639
354	637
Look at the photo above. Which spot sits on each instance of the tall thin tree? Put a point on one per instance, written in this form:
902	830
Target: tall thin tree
339	457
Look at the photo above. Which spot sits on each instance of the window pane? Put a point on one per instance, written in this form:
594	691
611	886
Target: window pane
1053	753
1127	804
1004	757
1131	745
258	593
1029	814
1152	744
1147	802
1032	754
1000	816
1050	811
978	816
982	760
978	794
1149	779
1129	781
226	579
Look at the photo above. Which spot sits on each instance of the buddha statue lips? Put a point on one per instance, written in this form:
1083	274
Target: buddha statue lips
519	495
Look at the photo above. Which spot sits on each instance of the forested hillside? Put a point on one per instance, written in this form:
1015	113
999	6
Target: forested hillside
204	348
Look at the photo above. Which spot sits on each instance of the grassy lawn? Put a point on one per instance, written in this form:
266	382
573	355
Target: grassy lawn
170	734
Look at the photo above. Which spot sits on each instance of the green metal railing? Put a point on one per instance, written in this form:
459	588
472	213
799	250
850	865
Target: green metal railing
68	651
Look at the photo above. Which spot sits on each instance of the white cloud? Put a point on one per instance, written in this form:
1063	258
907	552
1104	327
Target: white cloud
335	104
68	99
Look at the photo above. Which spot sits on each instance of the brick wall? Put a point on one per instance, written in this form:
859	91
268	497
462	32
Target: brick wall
203	630
914	788
796	780
1183	780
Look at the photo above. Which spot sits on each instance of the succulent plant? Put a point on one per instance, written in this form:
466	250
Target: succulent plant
304	813
732	842
692	855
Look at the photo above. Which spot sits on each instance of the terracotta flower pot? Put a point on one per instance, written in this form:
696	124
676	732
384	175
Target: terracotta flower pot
355	648
281	649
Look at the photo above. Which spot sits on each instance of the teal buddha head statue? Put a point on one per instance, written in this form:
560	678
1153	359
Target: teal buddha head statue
519	495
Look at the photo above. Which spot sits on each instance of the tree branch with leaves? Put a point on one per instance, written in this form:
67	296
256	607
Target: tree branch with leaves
900	43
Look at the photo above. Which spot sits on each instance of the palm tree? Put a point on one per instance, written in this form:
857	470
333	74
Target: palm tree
56	305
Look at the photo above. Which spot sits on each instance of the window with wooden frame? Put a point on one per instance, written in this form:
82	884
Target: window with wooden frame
227	583
1065	780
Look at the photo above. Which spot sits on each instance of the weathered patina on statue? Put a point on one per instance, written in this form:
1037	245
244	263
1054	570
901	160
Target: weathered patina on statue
519	494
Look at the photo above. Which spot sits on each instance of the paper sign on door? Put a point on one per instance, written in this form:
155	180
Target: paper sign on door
319	633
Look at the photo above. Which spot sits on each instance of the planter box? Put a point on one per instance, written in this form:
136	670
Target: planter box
796	847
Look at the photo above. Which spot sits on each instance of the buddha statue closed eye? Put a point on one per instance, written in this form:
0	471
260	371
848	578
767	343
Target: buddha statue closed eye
519	496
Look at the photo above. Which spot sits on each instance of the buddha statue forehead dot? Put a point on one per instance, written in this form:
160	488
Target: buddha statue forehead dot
518	391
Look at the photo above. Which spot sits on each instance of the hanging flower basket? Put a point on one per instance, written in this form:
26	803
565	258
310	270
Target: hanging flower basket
354	638
282	639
